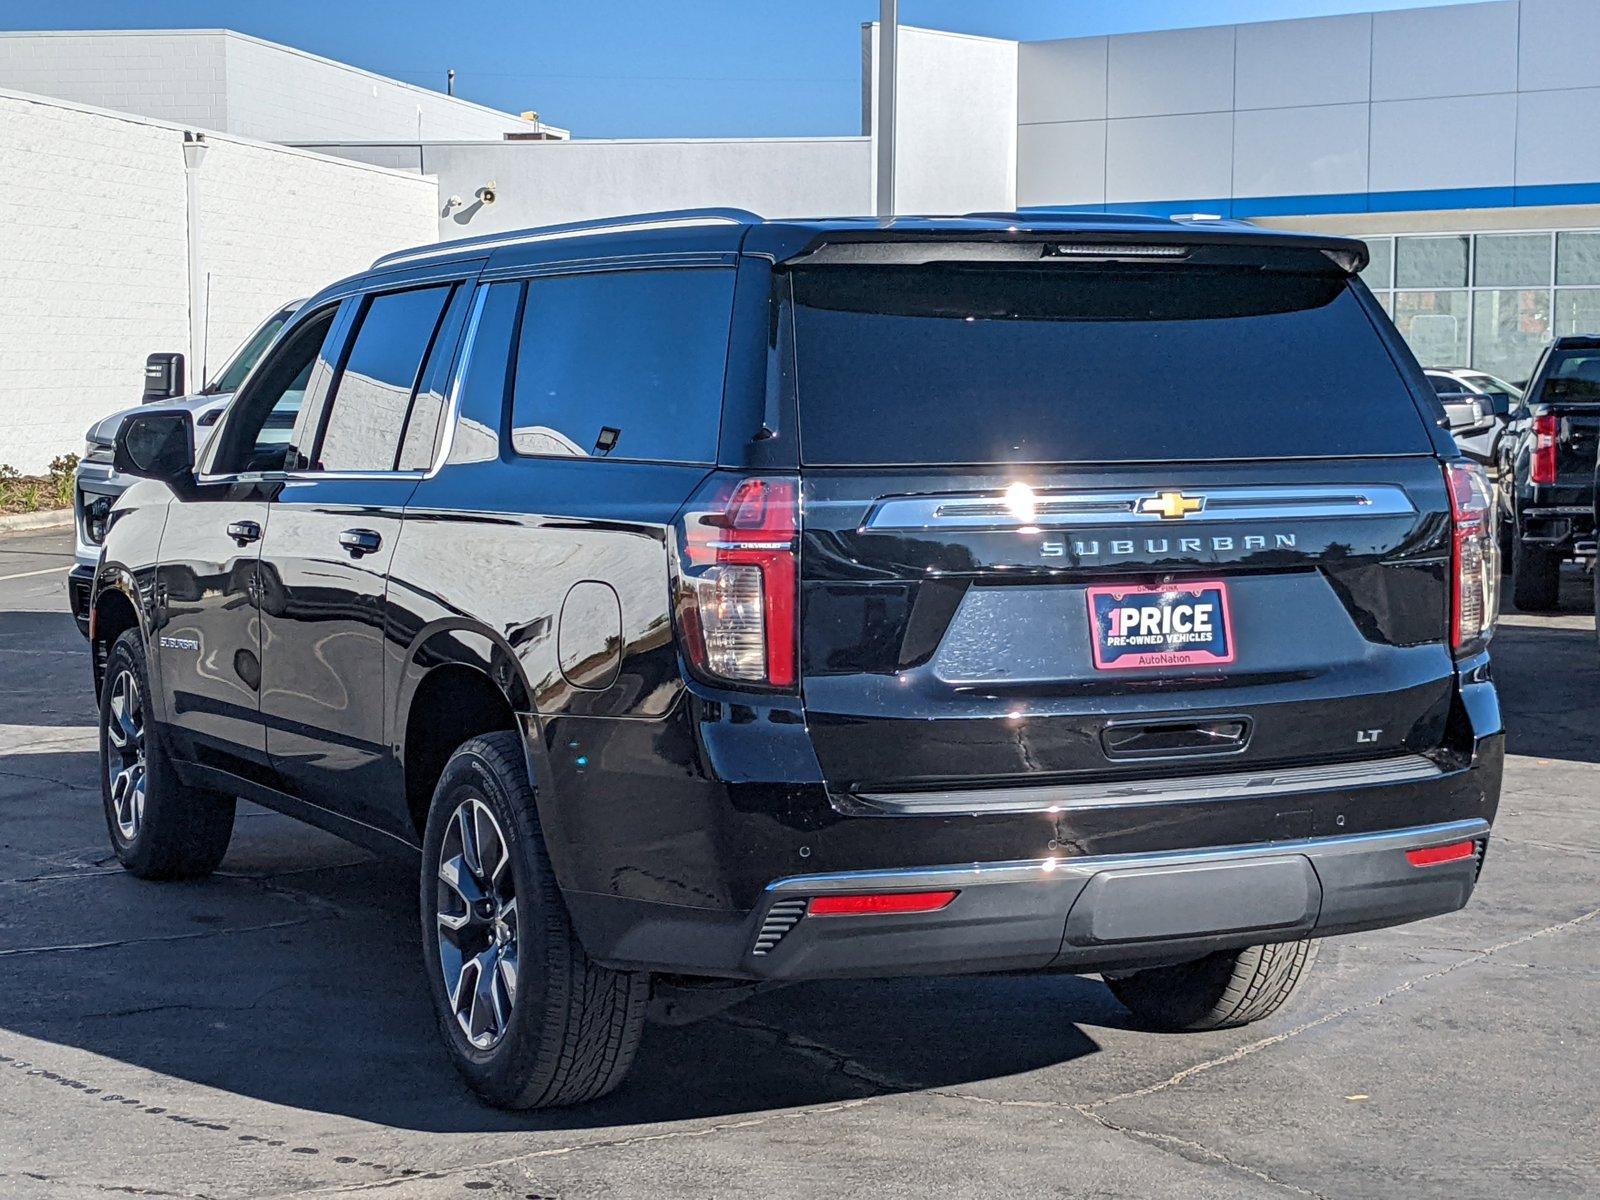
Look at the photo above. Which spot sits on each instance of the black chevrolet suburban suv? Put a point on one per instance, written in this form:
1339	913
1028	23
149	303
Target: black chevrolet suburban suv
710	602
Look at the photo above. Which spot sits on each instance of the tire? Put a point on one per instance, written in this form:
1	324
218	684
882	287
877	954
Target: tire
160	827
1220	991
1535	577
565	1030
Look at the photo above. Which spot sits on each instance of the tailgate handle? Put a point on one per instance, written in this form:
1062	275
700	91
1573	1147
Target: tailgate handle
1185	738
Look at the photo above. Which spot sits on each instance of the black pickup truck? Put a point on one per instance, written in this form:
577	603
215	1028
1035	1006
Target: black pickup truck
1547	470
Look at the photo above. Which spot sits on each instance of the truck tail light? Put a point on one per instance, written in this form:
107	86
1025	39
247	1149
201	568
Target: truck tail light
1474	556
1546	431
738	593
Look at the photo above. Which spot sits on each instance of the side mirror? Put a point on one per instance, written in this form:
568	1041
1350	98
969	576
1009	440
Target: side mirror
156	445
1466	413
163	378
1499	404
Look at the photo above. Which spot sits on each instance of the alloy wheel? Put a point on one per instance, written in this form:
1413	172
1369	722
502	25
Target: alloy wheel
477	915
125	760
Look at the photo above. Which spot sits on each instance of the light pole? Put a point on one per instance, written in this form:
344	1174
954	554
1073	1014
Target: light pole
194	156
888	43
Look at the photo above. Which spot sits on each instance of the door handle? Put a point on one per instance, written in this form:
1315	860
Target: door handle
245	532
360	541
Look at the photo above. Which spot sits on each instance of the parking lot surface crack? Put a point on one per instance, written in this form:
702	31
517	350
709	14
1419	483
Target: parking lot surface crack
116	1189
826	1056
78	947
1192	1150
643	1139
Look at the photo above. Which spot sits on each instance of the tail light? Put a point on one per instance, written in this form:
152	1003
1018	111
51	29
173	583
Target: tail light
738	581
1474	556
1546	430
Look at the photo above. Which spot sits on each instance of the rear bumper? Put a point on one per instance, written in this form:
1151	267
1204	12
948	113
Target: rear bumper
1556	527
1124	910
1105	912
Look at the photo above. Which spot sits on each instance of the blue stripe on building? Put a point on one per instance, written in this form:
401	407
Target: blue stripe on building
1349	202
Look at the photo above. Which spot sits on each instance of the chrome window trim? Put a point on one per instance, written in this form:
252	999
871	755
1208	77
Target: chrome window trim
1046	870
1058	509
458	375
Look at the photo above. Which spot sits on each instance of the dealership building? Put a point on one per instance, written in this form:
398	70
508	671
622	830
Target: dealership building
1462	142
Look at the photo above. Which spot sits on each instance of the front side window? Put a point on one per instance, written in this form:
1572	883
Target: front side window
623	364
366	418
255	436
238	367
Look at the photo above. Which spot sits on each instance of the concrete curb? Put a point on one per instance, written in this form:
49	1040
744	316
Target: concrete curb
55	518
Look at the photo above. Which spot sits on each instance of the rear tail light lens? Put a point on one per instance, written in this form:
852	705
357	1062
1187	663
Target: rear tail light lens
738	589
1474	556
1546	432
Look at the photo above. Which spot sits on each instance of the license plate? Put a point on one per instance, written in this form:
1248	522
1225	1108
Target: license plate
1167	625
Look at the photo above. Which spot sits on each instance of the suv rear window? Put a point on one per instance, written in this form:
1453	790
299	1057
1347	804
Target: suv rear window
953	364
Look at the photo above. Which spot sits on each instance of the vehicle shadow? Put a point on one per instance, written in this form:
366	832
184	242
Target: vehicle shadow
294	977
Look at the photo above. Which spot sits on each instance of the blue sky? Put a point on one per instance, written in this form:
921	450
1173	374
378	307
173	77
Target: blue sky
647	68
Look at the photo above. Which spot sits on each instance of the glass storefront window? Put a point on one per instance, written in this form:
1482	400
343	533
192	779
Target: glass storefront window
1431	262
1577	311
1434	325
1380	271
1578	257
1509	328
1512	260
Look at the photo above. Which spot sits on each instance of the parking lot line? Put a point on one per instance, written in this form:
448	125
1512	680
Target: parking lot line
31	574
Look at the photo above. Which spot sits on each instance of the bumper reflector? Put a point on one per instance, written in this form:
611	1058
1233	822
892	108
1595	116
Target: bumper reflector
878	902
1433	855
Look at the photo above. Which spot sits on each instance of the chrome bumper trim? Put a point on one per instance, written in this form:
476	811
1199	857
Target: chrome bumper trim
1409	768
1047	870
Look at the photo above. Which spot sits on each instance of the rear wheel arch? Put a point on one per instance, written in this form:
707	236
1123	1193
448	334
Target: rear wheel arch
469	683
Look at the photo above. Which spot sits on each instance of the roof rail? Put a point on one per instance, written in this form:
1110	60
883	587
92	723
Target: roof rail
1045	217
667	218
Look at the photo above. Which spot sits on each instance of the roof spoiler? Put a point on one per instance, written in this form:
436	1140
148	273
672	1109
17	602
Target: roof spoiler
1021	244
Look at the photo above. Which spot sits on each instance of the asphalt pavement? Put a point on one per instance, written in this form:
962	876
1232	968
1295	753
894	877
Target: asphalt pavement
266	1032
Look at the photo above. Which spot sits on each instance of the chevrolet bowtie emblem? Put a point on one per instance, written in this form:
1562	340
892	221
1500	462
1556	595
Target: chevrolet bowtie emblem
1172	506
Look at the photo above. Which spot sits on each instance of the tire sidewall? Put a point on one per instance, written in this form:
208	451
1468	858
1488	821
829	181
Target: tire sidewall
136	853
505	1067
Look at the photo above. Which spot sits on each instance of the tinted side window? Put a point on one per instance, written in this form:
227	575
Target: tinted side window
367	414
255	436
486	381
627	363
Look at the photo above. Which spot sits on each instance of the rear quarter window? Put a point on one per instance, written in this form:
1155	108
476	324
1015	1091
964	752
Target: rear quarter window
951	364
623	365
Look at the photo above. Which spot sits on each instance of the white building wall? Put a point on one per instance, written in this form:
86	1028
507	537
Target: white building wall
277	223
94	247
280	94
955	120
543	183
220	80
172	75
1500	96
